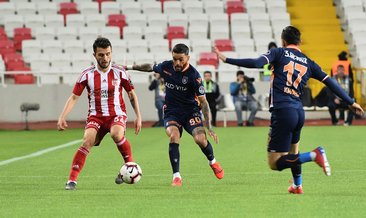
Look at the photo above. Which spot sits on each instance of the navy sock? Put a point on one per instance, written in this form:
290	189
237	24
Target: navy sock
287	161
296	174
174	156
208	151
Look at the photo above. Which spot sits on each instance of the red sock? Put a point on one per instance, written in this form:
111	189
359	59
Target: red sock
78	163
124	148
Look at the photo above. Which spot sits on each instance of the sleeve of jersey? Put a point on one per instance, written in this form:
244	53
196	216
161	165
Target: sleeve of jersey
78	88
198	85
157	68
248	62
336	89
127	83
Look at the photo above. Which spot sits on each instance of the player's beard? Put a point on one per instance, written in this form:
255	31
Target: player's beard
104	65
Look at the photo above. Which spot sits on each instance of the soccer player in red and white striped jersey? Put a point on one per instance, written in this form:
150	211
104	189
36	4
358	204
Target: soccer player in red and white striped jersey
107	111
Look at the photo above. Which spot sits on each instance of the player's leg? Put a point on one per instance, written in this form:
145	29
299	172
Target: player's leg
174	131
195	127
117	130
89	139
239	111
253	108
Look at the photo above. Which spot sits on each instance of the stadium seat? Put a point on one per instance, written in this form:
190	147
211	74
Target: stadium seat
7	8
240	32
131	32
159	45
52	47
54	21
214	7
208	58
31	48
172	7
239	19
61	62
138	20
145	58
261	44
197	32
88	8
187	42
158	20
175	32
24	78
162	56
11	22
193	7
110	8
151	7
201	45
66	8
219	31
279	19
125	59
129	8
3	35
178	20
75	20
136	46
118	20
244	45
219	19
34	21
152	32
276	6
95	20
6	47
44	33
26	8
73	47
262	32
119	47
13	61
88	34
224	44
47	8
254	7
234	7
198	20
40	62
67	33
21	34
111	32
259	19
80	62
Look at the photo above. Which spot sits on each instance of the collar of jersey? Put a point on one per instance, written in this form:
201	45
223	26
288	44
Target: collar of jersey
101	72
294	47
185	69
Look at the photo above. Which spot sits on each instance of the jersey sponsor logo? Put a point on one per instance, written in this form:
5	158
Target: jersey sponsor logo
175	87
201	90
296	58
185	80
115	82
93	123
167	72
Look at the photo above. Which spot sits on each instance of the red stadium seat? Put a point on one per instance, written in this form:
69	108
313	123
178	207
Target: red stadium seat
68	8
234	7
175	32
118	20
6	47
208	58
24	78
21	34
224	44
13	61
100	3
3	35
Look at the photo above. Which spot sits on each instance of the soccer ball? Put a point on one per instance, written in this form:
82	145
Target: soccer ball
131	172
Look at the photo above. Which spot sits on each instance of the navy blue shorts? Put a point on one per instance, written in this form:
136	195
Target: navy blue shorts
187	119
285	129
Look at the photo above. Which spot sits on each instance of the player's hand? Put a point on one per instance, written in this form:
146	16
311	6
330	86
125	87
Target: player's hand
219	54
337	101
61	124
213	135
357	109
137	124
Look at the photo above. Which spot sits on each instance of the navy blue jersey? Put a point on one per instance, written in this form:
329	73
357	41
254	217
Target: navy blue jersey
182	88
291	71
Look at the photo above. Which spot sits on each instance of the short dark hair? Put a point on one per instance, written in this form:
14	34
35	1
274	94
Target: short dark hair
181	49
240	72
291	35
101	42
272	45
209	72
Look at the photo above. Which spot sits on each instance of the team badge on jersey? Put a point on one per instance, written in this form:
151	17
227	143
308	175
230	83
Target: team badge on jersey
184	80
201	90
115	82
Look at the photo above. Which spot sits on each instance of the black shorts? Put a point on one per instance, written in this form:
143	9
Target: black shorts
187	119
285	129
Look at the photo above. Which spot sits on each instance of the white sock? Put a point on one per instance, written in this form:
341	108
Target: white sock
177	174
212	161
312	155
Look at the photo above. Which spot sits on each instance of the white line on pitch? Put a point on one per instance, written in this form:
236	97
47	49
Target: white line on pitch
39	153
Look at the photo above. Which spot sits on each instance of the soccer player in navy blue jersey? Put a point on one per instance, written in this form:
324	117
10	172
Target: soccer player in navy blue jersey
291	71
184	101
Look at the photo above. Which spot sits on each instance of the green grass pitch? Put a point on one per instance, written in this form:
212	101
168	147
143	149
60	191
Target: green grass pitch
34	187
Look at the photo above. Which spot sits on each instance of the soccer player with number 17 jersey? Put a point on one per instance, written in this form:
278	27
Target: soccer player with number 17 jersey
291	71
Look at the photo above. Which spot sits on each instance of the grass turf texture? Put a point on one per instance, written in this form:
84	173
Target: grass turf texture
35	187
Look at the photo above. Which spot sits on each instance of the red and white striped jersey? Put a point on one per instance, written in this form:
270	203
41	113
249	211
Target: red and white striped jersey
104	90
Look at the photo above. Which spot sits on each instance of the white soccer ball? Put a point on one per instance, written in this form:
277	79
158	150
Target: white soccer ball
131	172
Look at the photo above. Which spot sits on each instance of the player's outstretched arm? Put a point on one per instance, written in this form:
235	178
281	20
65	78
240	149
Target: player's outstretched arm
246	62
135	105
69	105
141	67
207	115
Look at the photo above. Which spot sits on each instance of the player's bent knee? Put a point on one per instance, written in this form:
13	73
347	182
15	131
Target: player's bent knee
200	139
174	137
